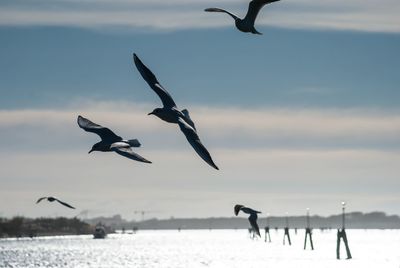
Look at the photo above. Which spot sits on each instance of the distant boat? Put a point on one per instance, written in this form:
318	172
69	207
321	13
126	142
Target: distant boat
99	232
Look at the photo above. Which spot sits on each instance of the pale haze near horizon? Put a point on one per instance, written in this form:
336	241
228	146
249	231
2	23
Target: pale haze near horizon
304	116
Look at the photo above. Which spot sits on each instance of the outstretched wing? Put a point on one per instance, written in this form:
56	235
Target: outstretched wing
248	210
127	152
105	134
194	140
188	119
215	9
64	204
151	79
253	223
254	8
40	199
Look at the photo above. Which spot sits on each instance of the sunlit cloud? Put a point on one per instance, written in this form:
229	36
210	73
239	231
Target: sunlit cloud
358	15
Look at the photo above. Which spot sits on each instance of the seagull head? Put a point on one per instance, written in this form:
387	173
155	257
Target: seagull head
237	208
95	147
155	112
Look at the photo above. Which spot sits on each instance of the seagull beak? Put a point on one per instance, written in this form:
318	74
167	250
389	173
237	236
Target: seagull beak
91	150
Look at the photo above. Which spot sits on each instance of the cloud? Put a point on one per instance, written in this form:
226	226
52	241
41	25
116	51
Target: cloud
174	15
230	128
350	155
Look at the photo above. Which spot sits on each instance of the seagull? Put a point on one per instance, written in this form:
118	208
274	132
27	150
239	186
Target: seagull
252	218
111	142
171	114
52	199
247	24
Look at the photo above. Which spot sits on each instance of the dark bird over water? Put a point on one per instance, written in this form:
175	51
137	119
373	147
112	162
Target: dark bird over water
247	24
52	199
111	142
252	218
171	114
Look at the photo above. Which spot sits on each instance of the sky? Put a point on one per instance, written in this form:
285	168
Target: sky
305	115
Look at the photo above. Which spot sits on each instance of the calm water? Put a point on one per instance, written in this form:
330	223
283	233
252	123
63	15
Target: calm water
216	248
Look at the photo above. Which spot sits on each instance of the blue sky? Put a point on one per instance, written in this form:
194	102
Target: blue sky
283	68
305	115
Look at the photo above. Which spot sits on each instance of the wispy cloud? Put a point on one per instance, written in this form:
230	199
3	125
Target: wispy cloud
359	15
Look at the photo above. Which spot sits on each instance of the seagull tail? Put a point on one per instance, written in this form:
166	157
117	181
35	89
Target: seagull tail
254	31
134	143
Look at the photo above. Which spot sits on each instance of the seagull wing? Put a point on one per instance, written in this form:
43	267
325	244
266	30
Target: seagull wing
105	134
40	199
253	223
215	9
255	7
248	210
64	204
127	152
151	79
194	140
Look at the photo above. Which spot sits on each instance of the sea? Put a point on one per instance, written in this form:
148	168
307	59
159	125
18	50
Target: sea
203	248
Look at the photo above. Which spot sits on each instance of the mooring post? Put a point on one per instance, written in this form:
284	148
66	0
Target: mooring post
308	231
341	234
286	234
267	234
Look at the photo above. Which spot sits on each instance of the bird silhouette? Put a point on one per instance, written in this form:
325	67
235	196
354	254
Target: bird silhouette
171	114
252	218
247	24
52	199
110	142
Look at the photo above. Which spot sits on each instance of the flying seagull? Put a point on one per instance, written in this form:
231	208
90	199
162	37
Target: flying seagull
111	142
247	24
252	218
171	114
52	199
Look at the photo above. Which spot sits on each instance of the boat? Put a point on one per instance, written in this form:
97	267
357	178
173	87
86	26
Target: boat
99	232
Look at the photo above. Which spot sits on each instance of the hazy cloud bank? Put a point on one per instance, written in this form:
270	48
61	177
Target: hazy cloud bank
357	15
276	160
231	128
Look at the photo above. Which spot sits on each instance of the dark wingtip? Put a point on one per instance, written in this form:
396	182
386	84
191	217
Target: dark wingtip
211	9
136	58
211	163
79	118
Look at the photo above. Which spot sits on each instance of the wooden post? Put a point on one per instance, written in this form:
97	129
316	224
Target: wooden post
308	231
341	234
267	234
286	234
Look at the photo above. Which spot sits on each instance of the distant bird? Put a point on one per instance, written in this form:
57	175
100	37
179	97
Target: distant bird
171	114
52	199
247	24
111	142
252	218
